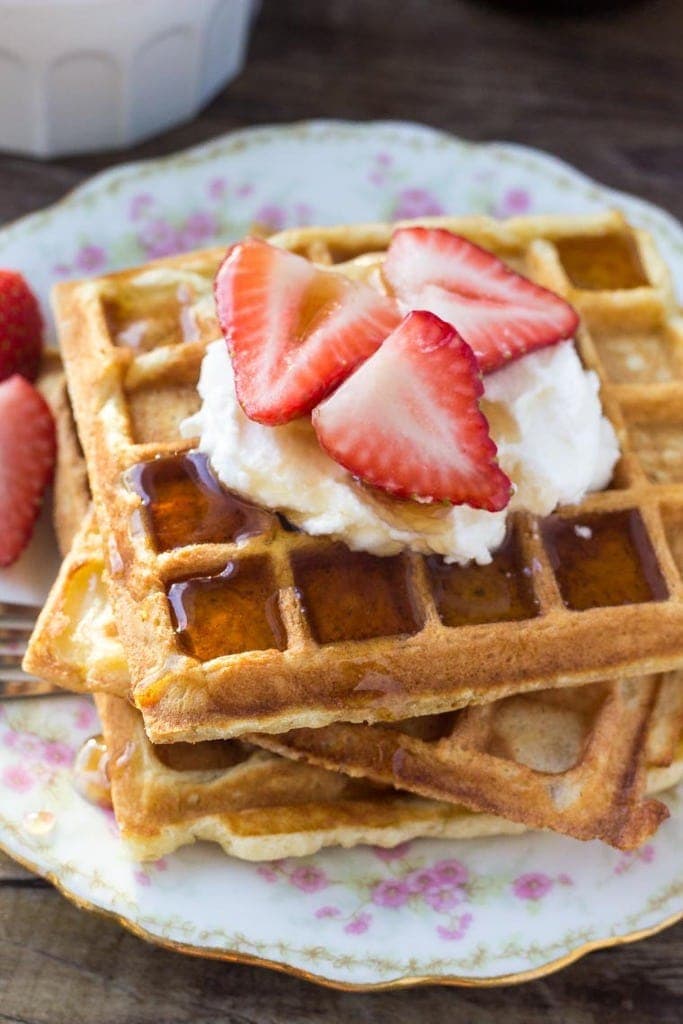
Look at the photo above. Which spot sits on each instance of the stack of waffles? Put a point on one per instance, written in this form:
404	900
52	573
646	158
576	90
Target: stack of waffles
277	692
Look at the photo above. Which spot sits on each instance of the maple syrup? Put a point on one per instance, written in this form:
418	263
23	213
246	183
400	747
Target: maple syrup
602	263
351	595
90	774
228	613
603	560
186	504
467	595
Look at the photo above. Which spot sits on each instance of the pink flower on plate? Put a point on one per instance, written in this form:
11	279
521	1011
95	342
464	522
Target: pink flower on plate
198	228
159	238
217	188
28	744
515	201
443	898
271	216
421	880
328	912
532	886
142	878
452	934
85	715
62	269
308	878
139	205
394	853
303	213
90	258
390	893
384	159
16	777
450	872
57	753
359	924
564	879
10	739
647	853
416	202
266	873
244	190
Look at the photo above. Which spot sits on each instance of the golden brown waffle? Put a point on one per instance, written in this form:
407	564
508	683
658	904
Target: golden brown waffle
256	805
299	632
569	759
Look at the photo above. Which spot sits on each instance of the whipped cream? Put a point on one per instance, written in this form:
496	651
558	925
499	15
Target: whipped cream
545	416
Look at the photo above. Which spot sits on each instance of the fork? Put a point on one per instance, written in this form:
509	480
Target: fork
16	625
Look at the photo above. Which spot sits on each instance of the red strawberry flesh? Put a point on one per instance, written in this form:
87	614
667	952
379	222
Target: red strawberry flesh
500	314
407	421
27	455
21	327
294	331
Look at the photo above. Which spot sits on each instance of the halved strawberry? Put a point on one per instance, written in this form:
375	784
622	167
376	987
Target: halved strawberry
294	331
21	327
407	420
499	313
27	455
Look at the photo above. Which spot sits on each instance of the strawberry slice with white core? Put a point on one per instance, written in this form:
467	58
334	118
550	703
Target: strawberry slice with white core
294	331
499	313
407	421
27	456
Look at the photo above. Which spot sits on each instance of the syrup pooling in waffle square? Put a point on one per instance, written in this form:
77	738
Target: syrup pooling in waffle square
391	642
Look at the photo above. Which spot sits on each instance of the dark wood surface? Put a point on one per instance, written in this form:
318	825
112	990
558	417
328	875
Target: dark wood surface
606	93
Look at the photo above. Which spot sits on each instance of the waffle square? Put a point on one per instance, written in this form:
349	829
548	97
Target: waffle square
590	592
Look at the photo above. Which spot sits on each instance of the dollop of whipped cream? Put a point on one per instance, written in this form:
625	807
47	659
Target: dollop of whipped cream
545	416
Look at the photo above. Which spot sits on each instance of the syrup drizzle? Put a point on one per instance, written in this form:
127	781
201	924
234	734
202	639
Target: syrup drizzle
90	772
231	612
603	560
186	504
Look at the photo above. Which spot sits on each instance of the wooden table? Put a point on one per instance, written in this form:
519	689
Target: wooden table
604	92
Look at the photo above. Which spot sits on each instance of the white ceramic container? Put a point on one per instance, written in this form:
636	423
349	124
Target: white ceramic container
83	75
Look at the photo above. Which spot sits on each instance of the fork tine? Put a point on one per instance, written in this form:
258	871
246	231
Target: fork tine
16	625
18	616
16	684
12	652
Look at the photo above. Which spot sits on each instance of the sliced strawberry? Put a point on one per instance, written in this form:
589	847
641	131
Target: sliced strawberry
294	331
27	455
499	313
21	327
407	420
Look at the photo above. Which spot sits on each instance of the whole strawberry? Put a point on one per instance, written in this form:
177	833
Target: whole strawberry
21	327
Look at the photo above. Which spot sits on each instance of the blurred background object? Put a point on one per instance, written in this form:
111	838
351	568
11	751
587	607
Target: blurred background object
83	75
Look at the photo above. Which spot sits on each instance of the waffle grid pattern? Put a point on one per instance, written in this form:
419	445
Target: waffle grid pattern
434	667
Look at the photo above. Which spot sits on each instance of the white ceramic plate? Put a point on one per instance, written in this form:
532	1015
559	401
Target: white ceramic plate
469	912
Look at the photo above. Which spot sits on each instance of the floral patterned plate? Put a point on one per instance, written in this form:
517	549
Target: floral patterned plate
475	913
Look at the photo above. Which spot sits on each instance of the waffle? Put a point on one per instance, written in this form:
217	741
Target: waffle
568	759
565	759
260	807
256	805
300	632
